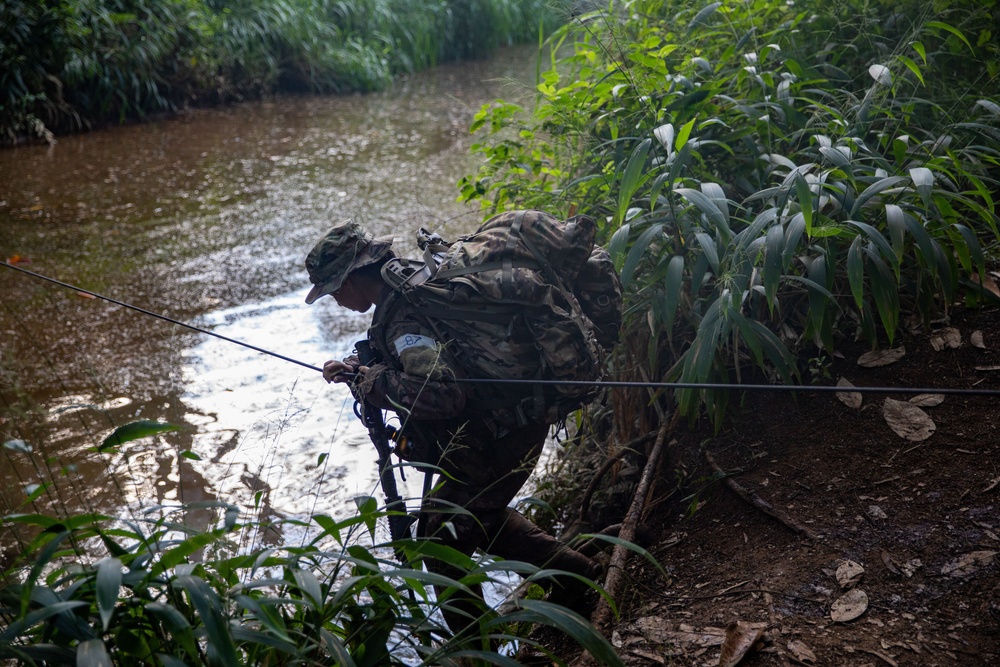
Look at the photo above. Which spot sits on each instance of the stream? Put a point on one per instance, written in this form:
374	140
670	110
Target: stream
207	218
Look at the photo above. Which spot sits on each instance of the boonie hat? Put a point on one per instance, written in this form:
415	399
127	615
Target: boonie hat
343	249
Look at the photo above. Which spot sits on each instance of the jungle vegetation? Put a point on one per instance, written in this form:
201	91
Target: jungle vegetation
771	177
67	65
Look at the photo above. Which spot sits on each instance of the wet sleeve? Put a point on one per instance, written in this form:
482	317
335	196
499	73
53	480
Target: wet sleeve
424	387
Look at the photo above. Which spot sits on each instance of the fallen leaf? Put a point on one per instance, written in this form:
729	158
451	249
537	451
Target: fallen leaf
740	638
889	563
884	656
84	295
987	282
849	606
17	260
977	340
876	512
967	564
851	399
911	566
881	357
927	400
801	652
849	574
907	420
655	629
949	337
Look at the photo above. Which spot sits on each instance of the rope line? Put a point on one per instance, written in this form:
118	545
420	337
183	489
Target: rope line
553	383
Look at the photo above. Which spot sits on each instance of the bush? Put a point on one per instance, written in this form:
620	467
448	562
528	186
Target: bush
758	195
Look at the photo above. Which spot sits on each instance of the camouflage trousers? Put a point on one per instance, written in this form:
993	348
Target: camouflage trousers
483	474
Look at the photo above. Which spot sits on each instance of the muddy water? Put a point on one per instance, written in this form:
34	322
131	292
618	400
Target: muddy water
206	218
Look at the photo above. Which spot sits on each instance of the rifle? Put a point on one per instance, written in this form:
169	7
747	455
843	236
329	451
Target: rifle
371	416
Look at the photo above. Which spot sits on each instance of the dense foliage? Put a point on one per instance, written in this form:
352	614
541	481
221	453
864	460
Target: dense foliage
770	176
150	589
67	64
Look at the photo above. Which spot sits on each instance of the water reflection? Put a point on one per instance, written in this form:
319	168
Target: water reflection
206	219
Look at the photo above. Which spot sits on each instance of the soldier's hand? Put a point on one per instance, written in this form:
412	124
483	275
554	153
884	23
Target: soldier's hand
340	371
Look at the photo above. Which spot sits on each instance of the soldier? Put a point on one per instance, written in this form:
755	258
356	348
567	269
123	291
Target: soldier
485	465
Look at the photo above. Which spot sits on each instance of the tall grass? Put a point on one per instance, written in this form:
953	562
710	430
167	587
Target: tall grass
90	589
67	64
772	177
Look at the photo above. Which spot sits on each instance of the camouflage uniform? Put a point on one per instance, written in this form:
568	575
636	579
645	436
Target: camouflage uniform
485	465
485	460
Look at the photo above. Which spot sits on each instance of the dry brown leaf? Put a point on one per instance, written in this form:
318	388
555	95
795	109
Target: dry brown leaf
849	606
907	420
949	337
851	399
927	400
801	652
740	638
987	282
655	629
849	574
911	566
977	340
889	563
881	357
967	564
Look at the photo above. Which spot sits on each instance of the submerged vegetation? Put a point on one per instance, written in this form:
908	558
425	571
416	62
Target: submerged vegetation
69	64
770	177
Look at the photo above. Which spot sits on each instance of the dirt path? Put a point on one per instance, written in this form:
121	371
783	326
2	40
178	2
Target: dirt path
917	522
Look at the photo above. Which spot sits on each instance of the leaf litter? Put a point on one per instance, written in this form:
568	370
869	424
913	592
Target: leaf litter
877	358
907	420
851	399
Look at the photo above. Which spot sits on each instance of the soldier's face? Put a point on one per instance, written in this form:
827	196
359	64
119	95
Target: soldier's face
350	297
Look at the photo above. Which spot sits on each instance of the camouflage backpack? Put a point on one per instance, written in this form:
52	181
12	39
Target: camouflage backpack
527	296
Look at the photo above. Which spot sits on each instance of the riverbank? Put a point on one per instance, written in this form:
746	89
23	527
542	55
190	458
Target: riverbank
73	65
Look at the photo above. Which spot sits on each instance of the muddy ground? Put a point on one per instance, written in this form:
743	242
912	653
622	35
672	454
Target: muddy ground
917	520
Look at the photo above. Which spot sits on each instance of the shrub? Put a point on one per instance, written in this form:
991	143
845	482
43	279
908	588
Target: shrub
756	196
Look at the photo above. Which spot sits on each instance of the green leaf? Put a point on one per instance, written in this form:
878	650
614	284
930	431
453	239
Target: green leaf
793	234
804	193
708	208
209	608
897	229
684	134
637	252
879	240
569	622
923	179
33	491
856	271
18	446
633	177
134	431
673	285
885	292
309	585
109	581
773	247
874	189
955	31
92	653
913	67
975	250
616	248
707	244
703	15
191	456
